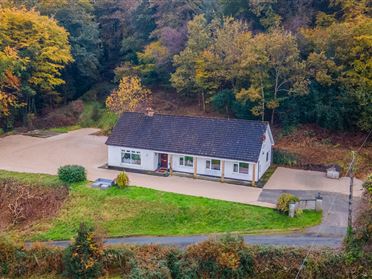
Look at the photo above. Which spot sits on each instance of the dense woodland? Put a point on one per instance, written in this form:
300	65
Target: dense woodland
287	62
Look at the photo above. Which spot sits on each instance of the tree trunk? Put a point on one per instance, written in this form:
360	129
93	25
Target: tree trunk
203	100
263	100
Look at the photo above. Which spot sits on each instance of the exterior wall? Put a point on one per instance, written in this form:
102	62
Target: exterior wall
202	170
264	164
229	171
149	159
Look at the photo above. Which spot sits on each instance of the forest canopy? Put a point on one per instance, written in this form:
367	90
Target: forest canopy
286	62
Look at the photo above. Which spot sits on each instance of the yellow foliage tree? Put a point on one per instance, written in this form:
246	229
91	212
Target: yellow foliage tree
9	83
41	45
130	96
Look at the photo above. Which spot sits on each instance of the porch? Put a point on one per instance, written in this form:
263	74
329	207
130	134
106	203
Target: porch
206	168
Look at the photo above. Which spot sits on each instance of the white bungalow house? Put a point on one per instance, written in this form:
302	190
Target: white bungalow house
224	148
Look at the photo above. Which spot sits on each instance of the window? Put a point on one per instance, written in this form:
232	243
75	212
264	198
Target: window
187	161
241	168
213	164
208	164
131	157
216	164
236	168
267	156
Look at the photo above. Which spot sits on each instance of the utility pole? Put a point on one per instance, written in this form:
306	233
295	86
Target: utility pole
351	175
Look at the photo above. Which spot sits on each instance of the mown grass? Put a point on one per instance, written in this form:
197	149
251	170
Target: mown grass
141	211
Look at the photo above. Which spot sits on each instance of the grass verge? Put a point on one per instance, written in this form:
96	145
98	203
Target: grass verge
65	129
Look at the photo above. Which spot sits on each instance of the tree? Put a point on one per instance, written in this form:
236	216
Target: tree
130	96
275	71
9	82
78	19
339	61
43	47
199	38
83	258
210	61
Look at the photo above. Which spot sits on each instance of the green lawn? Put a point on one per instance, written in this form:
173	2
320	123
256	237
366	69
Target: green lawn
141	211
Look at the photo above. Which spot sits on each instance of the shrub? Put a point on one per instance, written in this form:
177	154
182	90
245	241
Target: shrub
72	174
1	132
107	122
284	158
91	114
227	258
18	262
283	202
299	212
122	180
84	258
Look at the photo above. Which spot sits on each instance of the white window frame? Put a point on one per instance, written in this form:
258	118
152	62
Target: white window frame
131	161
183	161
238	165
209	162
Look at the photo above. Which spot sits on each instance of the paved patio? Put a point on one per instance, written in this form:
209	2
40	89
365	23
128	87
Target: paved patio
46	155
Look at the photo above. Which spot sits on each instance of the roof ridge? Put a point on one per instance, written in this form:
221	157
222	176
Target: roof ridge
200	117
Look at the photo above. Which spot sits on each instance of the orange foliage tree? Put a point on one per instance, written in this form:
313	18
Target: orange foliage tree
130	96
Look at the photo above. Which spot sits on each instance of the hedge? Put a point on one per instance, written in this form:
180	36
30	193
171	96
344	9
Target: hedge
225	258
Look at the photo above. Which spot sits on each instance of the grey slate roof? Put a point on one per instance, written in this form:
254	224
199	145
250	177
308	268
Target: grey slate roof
211	137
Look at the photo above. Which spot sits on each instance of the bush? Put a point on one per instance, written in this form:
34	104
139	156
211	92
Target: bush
91	114
284	158
283	202
227	258
72	174
122	180
107	122
84	258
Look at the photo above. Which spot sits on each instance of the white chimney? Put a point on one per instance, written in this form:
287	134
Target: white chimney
150	112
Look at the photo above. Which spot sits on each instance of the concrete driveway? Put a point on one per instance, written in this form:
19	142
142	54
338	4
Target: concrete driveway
304	180
46	155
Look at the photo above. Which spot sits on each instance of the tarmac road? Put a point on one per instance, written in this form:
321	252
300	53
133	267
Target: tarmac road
292	240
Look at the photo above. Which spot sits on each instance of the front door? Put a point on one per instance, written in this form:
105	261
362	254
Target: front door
164	161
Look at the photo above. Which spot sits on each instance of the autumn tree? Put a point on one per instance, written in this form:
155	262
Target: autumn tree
199	38
339	62
130	96
209	62
78	19
43	47
9	82
275	71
